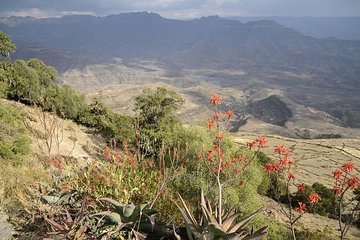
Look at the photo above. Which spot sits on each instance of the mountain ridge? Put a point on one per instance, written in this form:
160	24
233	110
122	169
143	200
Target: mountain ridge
321	73
148	35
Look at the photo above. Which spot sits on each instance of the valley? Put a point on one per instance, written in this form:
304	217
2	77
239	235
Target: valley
120	132
260	105
94	52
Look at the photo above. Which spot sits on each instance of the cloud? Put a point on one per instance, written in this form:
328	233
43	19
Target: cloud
38	13
185	8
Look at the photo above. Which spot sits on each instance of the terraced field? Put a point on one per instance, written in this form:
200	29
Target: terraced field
315	161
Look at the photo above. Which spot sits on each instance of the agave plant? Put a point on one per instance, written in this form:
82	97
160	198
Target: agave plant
65	215
139	220
210	228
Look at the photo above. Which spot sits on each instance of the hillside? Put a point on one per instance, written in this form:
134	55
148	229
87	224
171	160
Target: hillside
69	139
315	161
320	73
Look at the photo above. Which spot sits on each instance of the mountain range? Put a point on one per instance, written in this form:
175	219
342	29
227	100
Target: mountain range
321	73
319	27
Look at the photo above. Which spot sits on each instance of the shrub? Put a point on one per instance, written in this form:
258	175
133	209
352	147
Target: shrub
14	138
156	120
65	101
276	230
117	176
111	125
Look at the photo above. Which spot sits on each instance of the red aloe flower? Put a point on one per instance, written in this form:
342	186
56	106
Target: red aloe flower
269	167
227	164
220	136
211	123
217	116
314	198
242	181
210	156
276	166
301	187
285	162
337	174
236	171
218	150
229	114
215	100
242	158
352	182
286	153
279	149
348	167
251	144
261	141
302	208
291	176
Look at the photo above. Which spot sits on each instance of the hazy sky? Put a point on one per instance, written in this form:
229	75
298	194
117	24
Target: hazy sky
182	8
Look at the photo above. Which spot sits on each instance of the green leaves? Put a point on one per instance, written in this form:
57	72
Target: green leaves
6	45
65	199
113	217
210	228
157	119
14	140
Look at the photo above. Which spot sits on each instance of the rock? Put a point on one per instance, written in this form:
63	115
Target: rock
271	110
6	229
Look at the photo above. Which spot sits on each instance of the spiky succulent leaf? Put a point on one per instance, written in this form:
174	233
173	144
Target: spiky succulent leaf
190	227
139	235
259	234
143	207
213	232
118	206
65	199
234	236
228	222
189	214
130	209
210	218
50	199
112	216
244	222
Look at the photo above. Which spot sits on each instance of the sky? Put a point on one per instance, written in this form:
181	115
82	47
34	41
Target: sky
182	9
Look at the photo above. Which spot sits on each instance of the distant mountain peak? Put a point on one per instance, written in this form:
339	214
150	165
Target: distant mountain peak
142	14
212	18
264	23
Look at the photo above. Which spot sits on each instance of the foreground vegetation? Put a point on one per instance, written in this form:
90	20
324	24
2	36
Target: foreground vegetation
154	178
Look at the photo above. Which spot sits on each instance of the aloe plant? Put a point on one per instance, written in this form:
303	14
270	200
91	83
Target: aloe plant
139	220
210	228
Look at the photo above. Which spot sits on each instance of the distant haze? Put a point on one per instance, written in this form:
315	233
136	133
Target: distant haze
319	27
182	8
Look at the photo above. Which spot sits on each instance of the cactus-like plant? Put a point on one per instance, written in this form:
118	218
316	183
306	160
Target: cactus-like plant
140	220
210	228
